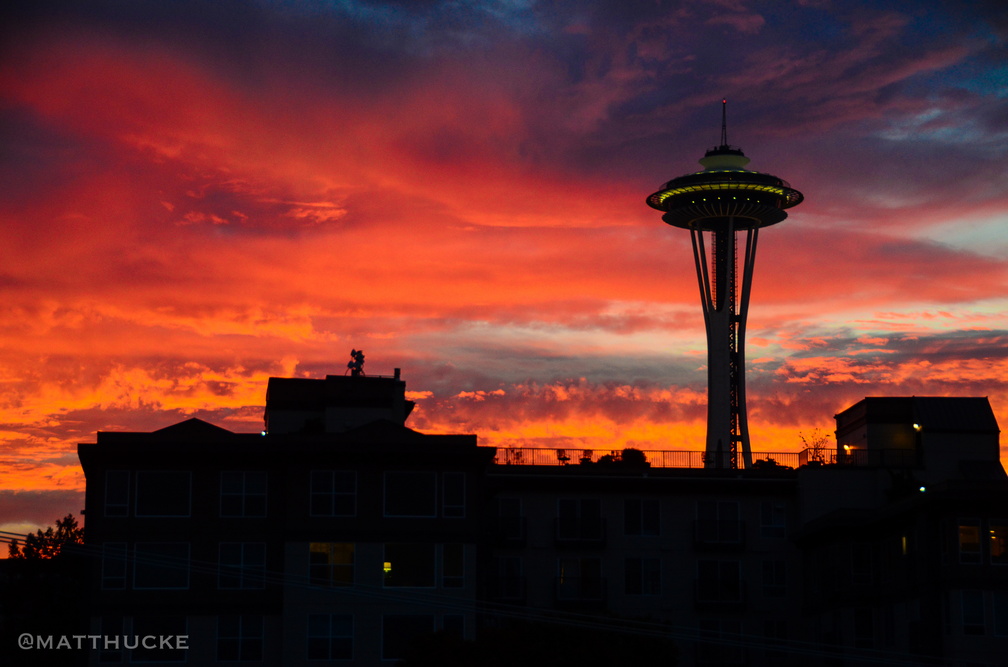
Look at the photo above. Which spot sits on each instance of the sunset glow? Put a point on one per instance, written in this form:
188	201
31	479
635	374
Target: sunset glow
200	195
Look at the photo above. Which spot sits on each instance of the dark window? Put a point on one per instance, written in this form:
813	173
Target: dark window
145	625
162	493
1000	613
864	628
719	581
973	621
409	564
117	493
411	494
969	541
862	564
161	565
331	563
239	637
112	650
642	576
718	522
580	579
453	565
242	565
774	578
579	519
243	493
114	565
453	502
510	520
641	516
330	636
718	642
399	631
333	493
773	519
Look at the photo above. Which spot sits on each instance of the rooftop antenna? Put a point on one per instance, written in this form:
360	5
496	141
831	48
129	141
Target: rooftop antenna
724	122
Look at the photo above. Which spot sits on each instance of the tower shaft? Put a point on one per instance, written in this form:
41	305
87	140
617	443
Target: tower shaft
725	311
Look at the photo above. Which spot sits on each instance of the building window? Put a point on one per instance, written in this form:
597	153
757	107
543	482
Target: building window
999	542
330	636
453	565
580	579
453	499
112	650
409	564
331	563
641	516
774	635
719	581
773	519
147	625
114	565
774	578
241	565
642	576
243	493
117	493
969	541
411	494
718	522
163	493
239	637
510	522
333	493
399	631
510	583
862	564
973	622
161	565
864	627
718	642
1001	613
579	519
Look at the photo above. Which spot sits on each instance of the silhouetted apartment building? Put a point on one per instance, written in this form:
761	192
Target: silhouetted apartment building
339	534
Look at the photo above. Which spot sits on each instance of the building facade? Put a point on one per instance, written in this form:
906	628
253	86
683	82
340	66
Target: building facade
338	535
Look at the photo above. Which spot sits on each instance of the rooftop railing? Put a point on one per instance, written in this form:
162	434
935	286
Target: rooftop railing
535	456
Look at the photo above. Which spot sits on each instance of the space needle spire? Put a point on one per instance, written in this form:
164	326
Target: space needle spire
717	205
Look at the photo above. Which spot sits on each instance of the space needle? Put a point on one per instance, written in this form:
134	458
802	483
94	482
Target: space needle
725	199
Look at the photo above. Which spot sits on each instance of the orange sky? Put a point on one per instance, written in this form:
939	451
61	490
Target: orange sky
199	197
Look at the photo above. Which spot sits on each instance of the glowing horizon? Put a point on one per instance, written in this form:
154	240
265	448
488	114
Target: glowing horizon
199	198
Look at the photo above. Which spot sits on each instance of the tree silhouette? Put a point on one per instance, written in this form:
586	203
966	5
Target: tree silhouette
43	546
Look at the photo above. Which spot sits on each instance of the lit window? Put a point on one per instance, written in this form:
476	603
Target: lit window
331	563
243	493
409	565
999	542
969	542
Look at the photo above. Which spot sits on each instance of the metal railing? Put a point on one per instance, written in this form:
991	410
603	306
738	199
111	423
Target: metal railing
660	458
535	456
